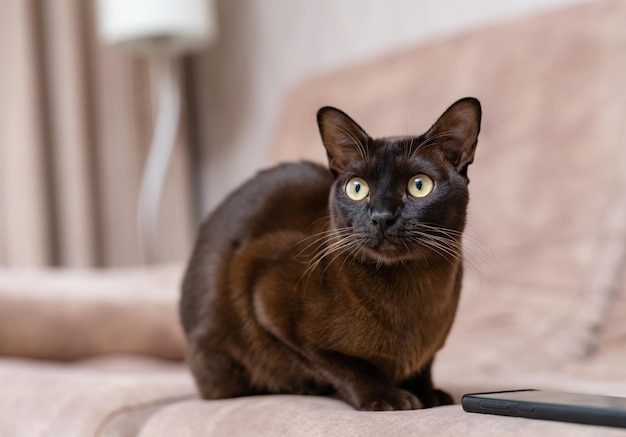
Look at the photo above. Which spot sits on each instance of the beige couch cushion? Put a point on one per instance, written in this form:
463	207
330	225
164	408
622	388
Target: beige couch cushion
608	360
101	397
547	214
70	314
296	416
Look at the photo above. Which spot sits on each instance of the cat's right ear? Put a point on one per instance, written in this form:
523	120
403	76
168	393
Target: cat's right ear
345	141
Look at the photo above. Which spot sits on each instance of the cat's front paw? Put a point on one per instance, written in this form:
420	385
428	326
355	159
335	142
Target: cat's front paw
396	399
436	398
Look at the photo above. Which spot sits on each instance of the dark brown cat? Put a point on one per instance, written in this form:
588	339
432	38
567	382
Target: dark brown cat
309	280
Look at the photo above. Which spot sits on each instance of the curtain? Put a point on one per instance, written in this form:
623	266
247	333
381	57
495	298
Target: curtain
76	121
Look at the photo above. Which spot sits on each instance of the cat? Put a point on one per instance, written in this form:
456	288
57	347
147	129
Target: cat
337	280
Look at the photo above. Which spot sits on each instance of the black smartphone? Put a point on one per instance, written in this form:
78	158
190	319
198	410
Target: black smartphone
549	405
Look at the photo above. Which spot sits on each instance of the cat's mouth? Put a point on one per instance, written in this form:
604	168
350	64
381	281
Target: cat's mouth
383	244
382	248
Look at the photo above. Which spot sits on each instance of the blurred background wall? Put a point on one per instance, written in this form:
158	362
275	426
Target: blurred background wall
76	118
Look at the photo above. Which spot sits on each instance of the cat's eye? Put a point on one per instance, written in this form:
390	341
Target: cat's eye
420	185
357	189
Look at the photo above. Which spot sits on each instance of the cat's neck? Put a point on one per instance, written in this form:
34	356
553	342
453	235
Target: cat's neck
406	276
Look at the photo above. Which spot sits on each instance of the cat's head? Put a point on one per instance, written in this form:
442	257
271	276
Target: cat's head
401	198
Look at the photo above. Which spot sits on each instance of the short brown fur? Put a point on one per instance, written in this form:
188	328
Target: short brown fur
295	288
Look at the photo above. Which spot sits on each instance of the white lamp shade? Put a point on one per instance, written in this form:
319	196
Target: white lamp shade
170	26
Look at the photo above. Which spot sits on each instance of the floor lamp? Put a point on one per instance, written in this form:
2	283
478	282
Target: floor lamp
163	31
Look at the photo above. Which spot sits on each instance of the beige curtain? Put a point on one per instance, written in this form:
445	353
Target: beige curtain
75	128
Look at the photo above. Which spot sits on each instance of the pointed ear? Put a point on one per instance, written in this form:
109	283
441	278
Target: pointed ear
345	141
457	132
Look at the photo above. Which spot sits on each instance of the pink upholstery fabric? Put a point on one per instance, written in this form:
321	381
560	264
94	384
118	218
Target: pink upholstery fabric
297	416
547	220
64	315
101	397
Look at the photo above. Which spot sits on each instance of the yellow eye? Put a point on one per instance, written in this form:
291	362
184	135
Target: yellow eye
357	189
420	185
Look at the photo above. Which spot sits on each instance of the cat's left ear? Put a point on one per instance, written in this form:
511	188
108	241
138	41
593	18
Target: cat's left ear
345	141
457	132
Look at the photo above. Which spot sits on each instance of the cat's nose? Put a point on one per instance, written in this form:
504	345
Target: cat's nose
382	219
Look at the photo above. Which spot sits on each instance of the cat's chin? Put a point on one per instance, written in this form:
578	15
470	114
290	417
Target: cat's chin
387	253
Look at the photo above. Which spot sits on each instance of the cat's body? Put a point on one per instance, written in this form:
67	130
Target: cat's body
301	284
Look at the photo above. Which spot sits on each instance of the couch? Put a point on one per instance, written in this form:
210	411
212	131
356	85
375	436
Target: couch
100	353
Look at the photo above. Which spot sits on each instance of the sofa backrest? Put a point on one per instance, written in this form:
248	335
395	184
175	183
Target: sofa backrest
546	234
